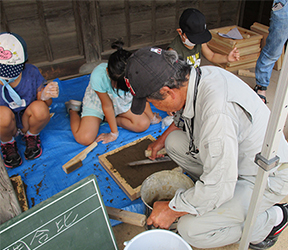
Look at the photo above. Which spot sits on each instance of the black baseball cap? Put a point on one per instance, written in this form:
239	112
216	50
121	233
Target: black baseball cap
192	22
146	72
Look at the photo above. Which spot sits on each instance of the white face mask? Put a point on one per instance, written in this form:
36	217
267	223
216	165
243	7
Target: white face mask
188	43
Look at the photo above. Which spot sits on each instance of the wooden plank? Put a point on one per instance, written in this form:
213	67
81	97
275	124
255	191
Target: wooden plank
219	48
111	7
244	60
141	32
264	31
139	172
241	66
249	36
10	206
177	15
78	28
68	48
89	27
278	64
260	29
4	23
243	72
233	43
153	21
59	17
20	11
126	216
19	189
249	47
99	27
127	23
219	10
165	30
61	68
140	11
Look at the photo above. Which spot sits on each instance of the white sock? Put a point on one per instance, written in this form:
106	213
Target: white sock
279	214
28	133
12	140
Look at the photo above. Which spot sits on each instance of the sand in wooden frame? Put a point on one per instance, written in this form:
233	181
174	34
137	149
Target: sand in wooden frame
130	178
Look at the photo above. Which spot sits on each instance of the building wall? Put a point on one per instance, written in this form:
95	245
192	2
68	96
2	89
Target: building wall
72	33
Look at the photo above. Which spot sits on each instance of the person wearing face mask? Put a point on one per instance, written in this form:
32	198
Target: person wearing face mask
25	98
192	40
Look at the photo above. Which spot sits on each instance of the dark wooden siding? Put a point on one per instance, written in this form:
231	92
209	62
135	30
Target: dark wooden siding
71	32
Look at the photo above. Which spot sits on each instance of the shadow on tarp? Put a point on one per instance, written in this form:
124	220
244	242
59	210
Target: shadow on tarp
44	176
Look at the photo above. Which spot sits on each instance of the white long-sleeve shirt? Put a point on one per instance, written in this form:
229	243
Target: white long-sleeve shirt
227	138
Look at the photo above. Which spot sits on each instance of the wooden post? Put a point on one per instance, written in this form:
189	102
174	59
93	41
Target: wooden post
44	29
90	29
91	32
177	14
3	19
153	21
127	23
9	204
78	27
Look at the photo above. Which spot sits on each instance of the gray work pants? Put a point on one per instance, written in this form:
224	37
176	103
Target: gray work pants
223	226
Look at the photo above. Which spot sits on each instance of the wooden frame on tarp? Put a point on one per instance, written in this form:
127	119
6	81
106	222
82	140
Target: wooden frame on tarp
125	183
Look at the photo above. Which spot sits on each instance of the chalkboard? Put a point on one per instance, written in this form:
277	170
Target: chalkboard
75	218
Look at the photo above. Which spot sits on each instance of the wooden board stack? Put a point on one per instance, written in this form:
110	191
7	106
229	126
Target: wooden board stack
249	47
263	30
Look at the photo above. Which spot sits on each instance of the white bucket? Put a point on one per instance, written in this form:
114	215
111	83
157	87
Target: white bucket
157	239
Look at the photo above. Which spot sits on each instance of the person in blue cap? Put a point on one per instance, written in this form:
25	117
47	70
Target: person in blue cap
24	100
193	38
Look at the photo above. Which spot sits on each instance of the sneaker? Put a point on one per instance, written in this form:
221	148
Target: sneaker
73	105
11	157
33	147
276	231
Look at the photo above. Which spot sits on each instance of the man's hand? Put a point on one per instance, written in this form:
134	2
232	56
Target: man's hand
160	142
162	216
154	147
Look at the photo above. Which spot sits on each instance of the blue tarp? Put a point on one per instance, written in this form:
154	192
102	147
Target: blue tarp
44	176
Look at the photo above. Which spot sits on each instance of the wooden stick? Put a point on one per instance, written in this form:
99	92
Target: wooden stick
18	185
243	72
126	216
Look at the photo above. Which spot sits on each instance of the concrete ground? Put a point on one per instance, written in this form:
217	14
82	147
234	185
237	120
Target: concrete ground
125	232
